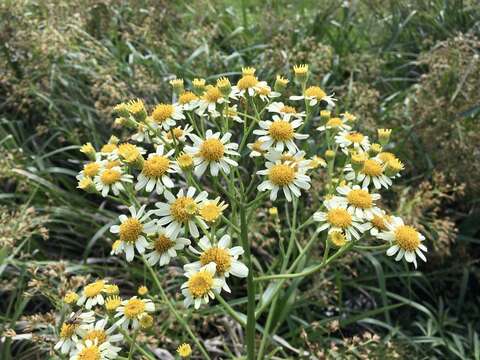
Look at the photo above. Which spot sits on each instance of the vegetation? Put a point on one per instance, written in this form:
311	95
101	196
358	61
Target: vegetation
410	66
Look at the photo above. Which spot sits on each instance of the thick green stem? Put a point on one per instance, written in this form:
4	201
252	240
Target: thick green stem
250	285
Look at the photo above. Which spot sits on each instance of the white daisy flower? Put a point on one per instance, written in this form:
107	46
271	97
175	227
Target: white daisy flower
201	286
359	202
71	331
286	175
378	223
188	100
143	133
249	85
155	172
97	332
164	247
224	257
165	116
285	111
231	112
334	123
109	151
177	134
315	94
211	152
265	92
111	179
279	133
181	212
256	149
95	351
132	231
371	171
131	310
92	294
209	101
405	240
352	139
338	219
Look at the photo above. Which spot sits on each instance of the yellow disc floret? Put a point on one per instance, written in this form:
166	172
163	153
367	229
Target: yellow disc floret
355	137
281	130
372	168
219	256
130	230
91	169
134	308
407	238
247	81
200	284
379	222
129	152
94	289
110	176
281	174
183	209
89	353
360	198
212	94
334	122
212	149
67	330
187	97
210	211
156	166
316	92
96	334
339	218
112	303
162	244
184	350
162	112
108	148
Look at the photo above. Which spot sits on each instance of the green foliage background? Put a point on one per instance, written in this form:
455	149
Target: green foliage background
409	65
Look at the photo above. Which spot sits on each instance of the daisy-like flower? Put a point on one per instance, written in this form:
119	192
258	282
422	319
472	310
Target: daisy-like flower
360	202
371	171
334	123
250	85
314	94
183	162
164	247
90	170
181	212
111	179
201	285
184	350
265	92
209	101
131	154
177	134
224	257
143	133
285	111
256	149
132	231
188	100
96	332
165	116
286	175
91	350
405	240
132	310
109	150
211	210
231	112
155	172
211	152
93	294
70	330
336	218
352	139
378	223
279	133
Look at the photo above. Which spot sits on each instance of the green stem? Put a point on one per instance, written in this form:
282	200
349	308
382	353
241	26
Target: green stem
250	285
179	318
138	347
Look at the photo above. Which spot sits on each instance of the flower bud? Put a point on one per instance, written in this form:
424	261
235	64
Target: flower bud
280	83
301	73
384	136
86	184
325	115
224	86
329	155
375	149
177	85
199	85
88	150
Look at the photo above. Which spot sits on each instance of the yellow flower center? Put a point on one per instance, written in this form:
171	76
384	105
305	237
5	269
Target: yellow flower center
264	90
247	81
212	150
93	289
156	166
90	353
281	174
212	94
184	350
112	303
177	133
111	164
162	112
378	222
91	169
210	212
67	330
162	244
355	137
386	156
128	152
219	256
108	148
395	165
257	146
200	284
135	106
110	176
339	218
99	335
281	130
316	92
288	110
360	198
337	238
407	238
134	308
372	168
187	97
183	208
185	161
130	230
112	289
334	122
